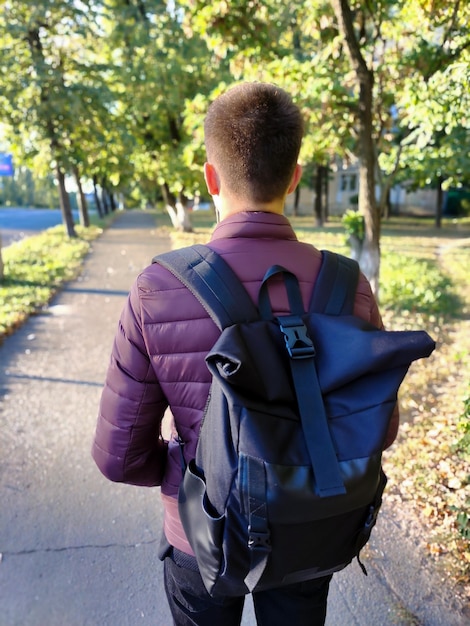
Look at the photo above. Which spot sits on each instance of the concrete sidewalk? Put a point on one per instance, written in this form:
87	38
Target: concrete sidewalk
80	551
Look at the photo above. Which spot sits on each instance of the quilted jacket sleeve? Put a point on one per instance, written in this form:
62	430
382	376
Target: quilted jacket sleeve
128	446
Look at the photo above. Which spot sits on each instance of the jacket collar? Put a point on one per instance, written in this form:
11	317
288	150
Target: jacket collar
254	224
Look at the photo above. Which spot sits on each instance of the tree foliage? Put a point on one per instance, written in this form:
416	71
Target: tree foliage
115	91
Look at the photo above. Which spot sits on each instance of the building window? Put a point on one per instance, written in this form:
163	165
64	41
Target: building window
348	182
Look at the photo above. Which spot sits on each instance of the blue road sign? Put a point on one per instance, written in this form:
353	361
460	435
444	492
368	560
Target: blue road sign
6	164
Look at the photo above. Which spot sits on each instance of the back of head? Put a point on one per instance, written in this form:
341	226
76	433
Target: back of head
253	134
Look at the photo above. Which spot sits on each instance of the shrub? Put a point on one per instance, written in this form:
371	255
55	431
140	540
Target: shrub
417	285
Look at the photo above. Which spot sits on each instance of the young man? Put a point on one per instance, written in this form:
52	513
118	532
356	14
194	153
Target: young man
253	135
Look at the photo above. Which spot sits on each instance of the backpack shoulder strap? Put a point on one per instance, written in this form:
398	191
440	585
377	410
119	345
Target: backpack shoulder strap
335	289
211	280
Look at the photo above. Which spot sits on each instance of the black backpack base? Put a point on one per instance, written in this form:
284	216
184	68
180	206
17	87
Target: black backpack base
328	547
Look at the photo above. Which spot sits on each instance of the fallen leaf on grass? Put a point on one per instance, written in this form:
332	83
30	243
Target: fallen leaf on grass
454	483
435	548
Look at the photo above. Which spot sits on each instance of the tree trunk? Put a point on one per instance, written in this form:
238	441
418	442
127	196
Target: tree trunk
82	203
112	201
318	206
439	199
99	208
356	247
33	38
296	200
183	218
64	200
326	211
177	210
386	184
104	198
387	208
370	255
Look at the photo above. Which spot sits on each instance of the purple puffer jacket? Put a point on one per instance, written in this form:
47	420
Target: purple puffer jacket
158	356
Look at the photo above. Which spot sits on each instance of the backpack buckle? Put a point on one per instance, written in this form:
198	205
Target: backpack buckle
371	517
298	343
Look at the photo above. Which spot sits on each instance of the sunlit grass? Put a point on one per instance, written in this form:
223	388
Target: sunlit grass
35	268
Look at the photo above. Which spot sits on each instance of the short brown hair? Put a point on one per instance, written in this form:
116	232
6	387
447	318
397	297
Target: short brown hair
253	134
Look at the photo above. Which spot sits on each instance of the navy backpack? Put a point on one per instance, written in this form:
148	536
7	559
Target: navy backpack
287	481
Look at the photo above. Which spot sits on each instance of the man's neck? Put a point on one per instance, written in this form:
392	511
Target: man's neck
229	206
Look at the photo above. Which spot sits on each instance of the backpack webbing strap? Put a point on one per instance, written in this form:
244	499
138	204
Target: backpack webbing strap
301	350
322	453
253	483
335	289
334	294
212	282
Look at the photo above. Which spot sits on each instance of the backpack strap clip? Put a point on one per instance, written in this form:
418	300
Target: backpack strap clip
298	343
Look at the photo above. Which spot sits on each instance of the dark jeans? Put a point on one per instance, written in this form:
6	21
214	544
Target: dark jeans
301	604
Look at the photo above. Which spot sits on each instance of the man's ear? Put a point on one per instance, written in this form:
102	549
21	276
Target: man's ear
295	178
211	178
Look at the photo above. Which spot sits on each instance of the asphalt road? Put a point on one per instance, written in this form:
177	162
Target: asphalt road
17	223
78	550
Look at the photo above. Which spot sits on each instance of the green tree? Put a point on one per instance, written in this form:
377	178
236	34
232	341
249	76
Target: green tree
349	64
436	152
26	189
47	87
31	85
159	71
397	49
116	91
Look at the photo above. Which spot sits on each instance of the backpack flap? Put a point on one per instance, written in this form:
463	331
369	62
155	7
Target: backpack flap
364	348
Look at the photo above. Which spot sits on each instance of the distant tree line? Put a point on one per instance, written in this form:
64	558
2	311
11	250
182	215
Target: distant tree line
25	190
